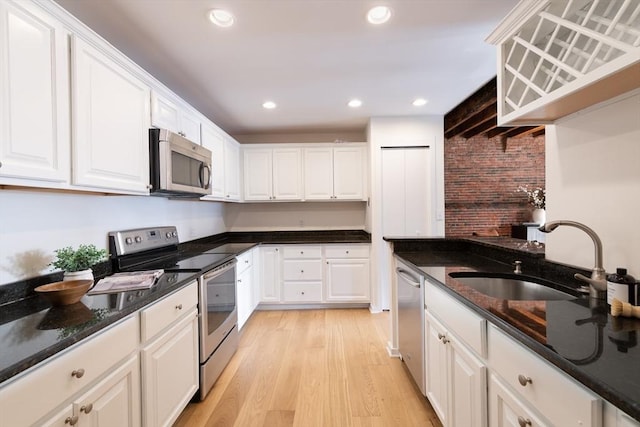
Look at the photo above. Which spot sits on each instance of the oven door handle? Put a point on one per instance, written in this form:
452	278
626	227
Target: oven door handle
216	272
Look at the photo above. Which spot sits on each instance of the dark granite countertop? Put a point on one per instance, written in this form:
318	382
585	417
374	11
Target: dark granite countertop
578	336
31	330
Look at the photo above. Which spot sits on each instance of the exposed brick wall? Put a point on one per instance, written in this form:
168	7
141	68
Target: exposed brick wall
481	179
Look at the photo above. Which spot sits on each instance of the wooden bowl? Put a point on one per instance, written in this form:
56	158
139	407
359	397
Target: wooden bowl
65	292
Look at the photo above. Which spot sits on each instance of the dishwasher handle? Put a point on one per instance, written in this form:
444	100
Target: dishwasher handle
408	277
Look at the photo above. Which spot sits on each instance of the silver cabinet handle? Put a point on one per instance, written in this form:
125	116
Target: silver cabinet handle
524	422
78	373
408	278
71	420
524	380
86	408
179	307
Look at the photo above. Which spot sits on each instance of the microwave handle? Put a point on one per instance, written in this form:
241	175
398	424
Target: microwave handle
206	183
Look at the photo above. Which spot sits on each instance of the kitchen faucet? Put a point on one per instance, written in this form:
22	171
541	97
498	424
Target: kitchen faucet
598	280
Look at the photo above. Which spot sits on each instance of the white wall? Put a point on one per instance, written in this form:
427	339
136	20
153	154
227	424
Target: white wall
33	224
593	177
295	216
400	131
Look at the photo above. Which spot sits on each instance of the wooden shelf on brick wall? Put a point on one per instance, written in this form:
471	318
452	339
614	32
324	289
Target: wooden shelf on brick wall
477	115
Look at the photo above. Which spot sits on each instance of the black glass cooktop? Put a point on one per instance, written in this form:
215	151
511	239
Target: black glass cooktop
197	263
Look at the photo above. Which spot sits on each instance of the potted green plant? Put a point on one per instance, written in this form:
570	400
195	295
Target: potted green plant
77	263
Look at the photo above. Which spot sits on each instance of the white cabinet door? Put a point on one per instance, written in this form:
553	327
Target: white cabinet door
436	367
34	94
270	274
507	410
170	372
347	280
231	169
406	191
349	173
190	126
244	297
287	174
258	183
318	173
164	113
213	141
468	383
114	401
110	123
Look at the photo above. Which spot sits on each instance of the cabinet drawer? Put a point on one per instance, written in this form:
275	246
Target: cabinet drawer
302	270
245	260
347	251
464	323
164	312
41	390
302	252
547	387
302	292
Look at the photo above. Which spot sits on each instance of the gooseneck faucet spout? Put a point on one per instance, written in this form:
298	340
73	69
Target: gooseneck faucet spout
598	280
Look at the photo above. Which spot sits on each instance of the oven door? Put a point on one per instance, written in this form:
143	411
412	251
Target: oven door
218	314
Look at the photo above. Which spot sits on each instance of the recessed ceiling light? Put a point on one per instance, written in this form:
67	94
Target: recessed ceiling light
269	105
419	102
378	15
221	17
355	103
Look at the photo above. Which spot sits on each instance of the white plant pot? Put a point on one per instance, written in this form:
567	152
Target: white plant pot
539	216
79	275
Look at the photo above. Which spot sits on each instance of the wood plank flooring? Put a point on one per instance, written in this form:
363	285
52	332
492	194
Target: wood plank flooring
325	368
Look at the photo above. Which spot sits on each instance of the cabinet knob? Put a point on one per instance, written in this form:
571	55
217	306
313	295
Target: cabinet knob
524	380
246	261
347	251
301	271
71	420
302	293
239	280
86	408
78	373
301	252
524	422
179	307
0	164
149	187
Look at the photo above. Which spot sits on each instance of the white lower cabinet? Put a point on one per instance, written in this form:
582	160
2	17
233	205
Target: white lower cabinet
508	410
270	274
98	372
456	378
302	274
244	287
170	364
347	273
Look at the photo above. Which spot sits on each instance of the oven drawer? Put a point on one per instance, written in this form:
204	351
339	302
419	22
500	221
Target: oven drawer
166	311
303	292
302	270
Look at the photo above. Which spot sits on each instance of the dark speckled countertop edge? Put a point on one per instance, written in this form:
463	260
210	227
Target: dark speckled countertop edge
625	403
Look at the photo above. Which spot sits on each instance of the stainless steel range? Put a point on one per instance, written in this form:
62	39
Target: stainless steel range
157	248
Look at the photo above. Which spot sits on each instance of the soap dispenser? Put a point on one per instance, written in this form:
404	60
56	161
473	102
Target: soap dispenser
621	286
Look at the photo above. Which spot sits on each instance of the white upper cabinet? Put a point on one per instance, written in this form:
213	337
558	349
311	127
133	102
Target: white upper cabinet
110	122
272	173
167	113
225	153
34	96
557	57
335	173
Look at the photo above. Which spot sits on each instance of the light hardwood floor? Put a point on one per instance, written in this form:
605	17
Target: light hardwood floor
325	368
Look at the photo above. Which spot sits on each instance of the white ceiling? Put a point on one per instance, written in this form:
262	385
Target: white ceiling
309	56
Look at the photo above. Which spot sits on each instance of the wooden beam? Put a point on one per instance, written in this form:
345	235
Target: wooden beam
478	101
481	128
498	131
519	131
530	131
476	118
538	132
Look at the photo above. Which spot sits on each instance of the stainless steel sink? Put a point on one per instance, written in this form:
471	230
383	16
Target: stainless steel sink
509	287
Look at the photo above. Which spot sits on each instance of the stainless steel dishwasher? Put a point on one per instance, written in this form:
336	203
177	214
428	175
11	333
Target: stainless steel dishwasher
410	294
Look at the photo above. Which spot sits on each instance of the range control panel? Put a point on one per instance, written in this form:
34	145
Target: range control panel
142	239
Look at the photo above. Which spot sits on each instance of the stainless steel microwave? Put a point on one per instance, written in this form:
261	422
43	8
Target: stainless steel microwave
178	167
